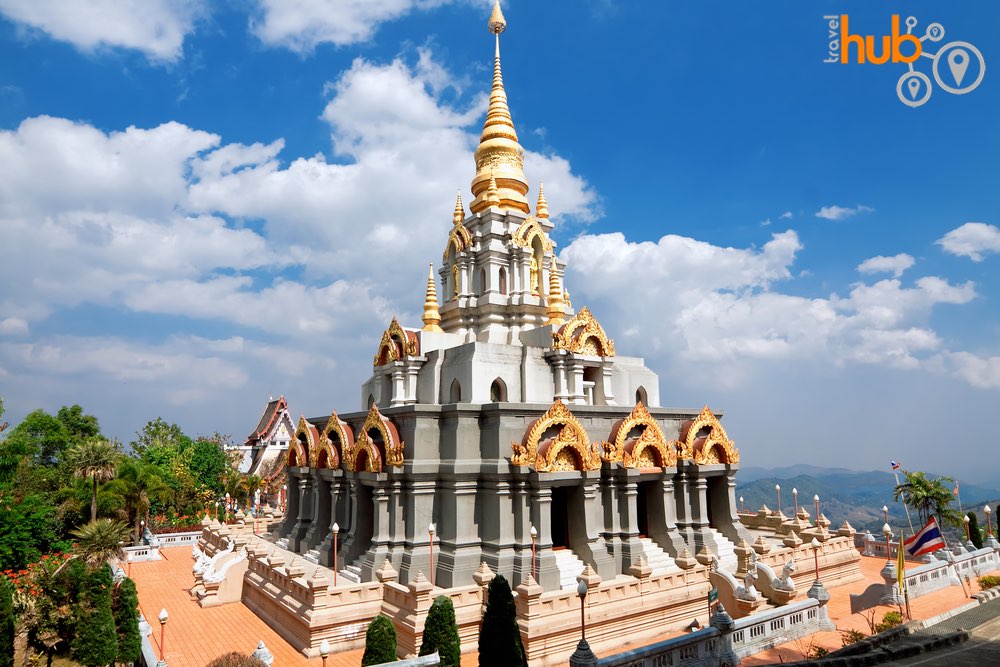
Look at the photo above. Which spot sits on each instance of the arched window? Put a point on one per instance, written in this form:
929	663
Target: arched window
371	401
498	391
640	396
482	281
503	281
456	392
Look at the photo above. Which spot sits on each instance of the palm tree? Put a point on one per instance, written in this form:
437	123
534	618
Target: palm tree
136	484
100	541
930	497
94	459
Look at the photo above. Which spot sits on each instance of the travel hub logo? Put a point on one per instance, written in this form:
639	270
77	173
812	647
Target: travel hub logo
962	63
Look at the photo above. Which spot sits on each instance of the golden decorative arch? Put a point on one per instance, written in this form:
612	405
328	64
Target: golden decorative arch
649	449
583	334
336	437
396	343
459	239
299	455
368	452
570	449
711	447
526	233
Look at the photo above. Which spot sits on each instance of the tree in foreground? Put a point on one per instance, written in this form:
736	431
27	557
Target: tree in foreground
7	623
96	642
975	534
135	484
100	541
126	604
235	659
499	637
930	497
380	642
94	459
441	633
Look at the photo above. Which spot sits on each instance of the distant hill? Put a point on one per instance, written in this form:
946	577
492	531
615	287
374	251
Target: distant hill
844	494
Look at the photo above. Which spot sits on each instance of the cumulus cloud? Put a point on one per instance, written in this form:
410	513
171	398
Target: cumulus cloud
982	372
157	28
834	212
974	240
787	215
895	265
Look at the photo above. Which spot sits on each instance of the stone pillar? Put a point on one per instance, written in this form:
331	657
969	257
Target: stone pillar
628	492
575	374
305	513
291	504
819	593
379	549
541	518
459	551
674	541
562	391
682	504
724	623
398	384
583	656
321	511
612	515
326	546
726	518
607	382
598	555
419	514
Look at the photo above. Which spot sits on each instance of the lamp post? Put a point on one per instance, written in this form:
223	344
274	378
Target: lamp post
966	520
581	590
742	509
142	530
887	531
816	501
795	500
989	526
534	535
777	492
324	650
163	624
336	531
284	497
815	545
885	513
228	502
430	531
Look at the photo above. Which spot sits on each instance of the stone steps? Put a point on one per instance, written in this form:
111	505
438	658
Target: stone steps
656	557
569	567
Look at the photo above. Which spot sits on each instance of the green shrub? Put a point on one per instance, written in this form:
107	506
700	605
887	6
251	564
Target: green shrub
975	534
441	633
6	623
988	581
380	642
816	652
848	637
126	604
499	637
235	659
891	620
96	642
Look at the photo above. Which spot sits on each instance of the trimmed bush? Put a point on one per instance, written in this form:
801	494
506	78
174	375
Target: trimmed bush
499	637
235	659
126	604
975	534
892	619
380	642
988	581
6	623
96	642
848	637
441	633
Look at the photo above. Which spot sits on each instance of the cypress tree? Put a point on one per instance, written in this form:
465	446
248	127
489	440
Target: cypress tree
380	642
95	643
974	533
126	602
499	637
6	623
441	633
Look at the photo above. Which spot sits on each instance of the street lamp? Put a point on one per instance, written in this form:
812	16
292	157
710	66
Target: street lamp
887	531
163	624
742	509
816	501
284	497
228	502
966	520
336	531
885	513
534	535
795	499
581	590
777	492
324	649
989	526
430	531
815	545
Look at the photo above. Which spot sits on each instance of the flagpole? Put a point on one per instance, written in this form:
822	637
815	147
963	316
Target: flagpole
951	560
895	473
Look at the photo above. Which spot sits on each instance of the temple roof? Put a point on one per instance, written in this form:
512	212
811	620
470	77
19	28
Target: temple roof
272	411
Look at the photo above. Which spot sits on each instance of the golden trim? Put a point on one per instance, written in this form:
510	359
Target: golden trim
459	238
569	450
526	232
716	447
395	344
583	334
650	446
394	448
303	455
344	436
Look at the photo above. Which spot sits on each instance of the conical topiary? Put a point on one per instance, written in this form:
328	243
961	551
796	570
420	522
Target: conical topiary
380	642
6	624
441	633
125	607
499	637
96	642
975	535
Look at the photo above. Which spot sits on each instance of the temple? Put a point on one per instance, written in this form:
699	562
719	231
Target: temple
506	435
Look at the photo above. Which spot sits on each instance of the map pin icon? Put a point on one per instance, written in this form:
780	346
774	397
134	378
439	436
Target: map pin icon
958	62
914	86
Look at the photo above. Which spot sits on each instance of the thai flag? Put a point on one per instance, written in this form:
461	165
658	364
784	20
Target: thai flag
895	466
927	540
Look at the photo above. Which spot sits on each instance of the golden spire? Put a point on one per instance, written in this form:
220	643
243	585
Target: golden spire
557	310
492	193
498	148
459	211
432	318
542	208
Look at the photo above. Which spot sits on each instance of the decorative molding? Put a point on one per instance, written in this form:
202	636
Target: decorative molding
396	343
459	239
302	454
583	334
569	449
648	450
713	447
344	441
526	232
393	447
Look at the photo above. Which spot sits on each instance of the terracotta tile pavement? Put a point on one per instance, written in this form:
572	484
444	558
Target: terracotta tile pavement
195	636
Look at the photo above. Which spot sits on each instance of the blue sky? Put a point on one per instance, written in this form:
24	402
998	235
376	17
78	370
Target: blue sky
204	204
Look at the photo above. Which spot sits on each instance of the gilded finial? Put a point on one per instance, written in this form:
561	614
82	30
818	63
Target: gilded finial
493	194
542	208
497	22
459	215
432	318
556	310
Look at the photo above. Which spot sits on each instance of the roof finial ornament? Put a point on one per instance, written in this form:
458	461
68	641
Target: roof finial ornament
493	193
497	22
432	318
556	310
459	215
542	208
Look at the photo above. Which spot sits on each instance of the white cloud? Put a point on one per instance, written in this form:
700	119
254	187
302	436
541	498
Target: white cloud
13	326
973	240
157	28
787	215
895	265
835	212
982	372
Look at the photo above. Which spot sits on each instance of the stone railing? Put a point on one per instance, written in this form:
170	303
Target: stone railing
142	553
946	571
409	606
149	657
185	538
698	649
767	629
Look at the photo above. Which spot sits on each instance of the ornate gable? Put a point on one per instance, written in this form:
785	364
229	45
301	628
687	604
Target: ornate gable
370	454
526	233
459	239
648	449
302	445
396	343
336	437
583	334
569	449
704	440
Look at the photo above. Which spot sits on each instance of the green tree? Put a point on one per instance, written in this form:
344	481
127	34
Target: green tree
159	433
135	484
28	528
94	459
499	637
78	425
96	642
975	533
125	608
207	463
40	438
380	642
100	541
7	623
930	497
441	633
235	659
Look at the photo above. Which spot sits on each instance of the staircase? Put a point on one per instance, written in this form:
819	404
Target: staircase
569	567
352	572
312	556
656	557
725	553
